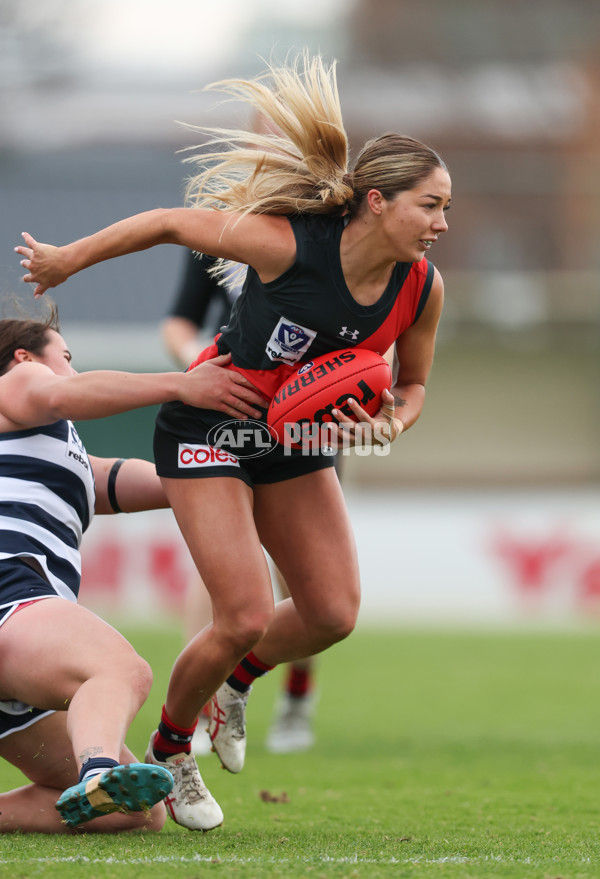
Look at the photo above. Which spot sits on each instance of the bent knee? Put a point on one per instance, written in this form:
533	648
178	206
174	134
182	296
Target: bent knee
338	629
246	630
138	674
144	677
335	625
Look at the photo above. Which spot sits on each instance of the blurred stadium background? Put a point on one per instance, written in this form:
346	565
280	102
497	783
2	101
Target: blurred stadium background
488	512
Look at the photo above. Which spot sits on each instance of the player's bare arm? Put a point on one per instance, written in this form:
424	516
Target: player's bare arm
265	242
135	487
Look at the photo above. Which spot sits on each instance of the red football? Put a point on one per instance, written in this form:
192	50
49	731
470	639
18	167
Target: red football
325	383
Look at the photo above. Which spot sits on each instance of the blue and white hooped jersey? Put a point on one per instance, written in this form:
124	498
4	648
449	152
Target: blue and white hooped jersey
47	500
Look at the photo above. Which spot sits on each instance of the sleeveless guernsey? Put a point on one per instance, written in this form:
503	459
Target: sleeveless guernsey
47	499
309	310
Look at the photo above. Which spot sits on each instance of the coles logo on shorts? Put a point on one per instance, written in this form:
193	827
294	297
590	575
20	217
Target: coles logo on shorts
204	456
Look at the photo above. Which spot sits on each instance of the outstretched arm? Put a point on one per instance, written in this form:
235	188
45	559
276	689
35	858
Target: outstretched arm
263	241
134	486
31	394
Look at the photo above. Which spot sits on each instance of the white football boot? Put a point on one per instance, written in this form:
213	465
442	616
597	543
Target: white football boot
201	743
292	729
190	803
227	727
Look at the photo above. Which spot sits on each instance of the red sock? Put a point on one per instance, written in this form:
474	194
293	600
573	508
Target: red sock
247	671
171	739
298	681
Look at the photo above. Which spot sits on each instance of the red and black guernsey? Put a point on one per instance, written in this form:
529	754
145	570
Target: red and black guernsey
309	310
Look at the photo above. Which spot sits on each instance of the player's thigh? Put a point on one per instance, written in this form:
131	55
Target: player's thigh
48	649
216	519
43	752
304	525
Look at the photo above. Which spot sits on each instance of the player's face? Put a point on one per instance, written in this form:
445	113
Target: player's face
414	219
56	355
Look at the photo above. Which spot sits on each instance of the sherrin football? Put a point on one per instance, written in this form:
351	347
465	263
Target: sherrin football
310	394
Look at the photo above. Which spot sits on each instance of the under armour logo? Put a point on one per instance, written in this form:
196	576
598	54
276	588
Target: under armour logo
353	334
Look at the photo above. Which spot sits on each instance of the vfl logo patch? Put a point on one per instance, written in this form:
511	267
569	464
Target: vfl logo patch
204	456
289	341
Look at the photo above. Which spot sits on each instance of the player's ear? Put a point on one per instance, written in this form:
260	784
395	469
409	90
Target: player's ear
20	355
375	200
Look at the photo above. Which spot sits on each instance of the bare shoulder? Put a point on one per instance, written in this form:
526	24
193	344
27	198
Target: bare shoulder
425	326
10	391
20	391
264	241
435	300
437	285
24	372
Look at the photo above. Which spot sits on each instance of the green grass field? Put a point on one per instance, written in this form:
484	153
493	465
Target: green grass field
439	754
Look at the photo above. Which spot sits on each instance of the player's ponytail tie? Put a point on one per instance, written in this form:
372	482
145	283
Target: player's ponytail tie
348	190
336	191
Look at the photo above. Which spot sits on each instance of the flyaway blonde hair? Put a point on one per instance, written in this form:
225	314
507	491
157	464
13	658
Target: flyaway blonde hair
295	161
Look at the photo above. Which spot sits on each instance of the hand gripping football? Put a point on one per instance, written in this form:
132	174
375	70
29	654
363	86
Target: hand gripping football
310	394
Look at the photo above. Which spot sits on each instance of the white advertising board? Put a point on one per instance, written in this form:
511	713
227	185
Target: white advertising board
497	557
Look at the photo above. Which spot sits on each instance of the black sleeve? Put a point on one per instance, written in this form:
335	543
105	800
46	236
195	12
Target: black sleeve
196	289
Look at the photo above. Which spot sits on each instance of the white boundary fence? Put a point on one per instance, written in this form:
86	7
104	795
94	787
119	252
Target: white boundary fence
460	558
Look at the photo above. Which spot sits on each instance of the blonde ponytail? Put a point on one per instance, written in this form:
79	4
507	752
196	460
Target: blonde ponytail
299	164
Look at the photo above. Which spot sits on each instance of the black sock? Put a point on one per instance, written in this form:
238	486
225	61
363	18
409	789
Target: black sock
96	765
